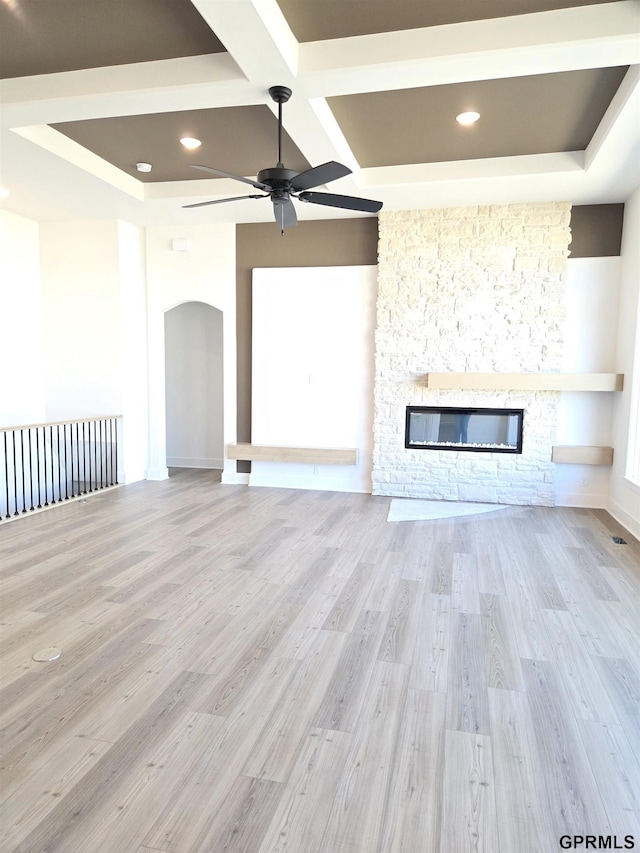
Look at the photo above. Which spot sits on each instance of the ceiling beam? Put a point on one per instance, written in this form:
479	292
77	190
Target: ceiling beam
543	43
618	124
60	145
258	37
188	83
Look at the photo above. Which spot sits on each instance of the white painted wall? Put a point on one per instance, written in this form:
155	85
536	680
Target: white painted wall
81	301
624	493
22	396
590	334
93	286
133	353
194	386
204	273
312	371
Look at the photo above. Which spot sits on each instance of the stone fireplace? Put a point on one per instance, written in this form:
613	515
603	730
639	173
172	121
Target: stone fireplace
476	289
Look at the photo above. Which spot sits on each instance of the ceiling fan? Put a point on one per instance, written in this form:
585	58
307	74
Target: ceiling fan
280	184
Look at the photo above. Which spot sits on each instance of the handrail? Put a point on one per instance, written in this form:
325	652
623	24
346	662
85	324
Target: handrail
60	423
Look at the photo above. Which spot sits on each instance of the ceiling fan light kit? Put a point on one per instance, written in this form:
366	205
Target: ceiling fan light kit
281	184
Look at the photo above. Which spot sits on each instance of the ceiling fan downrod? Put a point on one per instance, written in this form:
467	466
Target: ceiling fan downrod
280	94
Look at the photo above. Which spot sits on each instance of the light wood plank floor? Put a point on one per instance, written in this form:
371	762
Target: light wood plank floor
260	670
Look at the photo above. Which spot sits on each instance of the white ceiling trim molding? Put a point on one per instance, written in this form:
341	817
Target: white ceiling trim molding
487	168
470	181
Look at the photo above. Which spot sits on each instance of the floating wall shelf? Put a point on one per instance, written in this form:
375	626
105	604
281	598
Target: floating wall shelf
526	381
582	455
308	455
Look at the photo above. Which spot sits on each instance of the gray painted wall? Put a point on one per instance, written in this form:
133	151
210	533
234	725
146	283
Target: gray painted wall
596	230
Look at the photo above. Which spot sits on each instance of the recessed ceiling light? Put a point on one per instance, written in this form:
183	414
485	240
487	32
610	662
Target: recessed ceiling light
468	118
144	167
190	143
3	193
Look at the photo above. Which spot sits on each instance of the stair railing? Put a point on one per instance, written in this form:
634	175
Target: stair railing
42	465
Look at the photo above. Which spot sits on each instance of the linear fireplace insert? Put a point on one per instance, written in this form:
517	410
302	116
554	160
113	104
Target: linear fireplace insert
453	428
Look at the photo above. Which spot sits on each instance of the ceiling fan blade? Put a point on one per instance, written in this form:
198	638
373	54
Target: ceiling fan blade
222	174
330	171
348	202
285	213
223	200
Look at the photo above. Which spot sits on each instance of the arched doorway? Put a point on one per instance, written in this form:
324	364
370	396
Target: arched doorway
194	386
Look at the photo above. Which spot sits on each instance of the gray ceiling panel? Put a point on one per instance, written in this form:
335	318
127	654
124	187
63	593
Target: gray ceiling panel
48	36
241	140
537	114
318	20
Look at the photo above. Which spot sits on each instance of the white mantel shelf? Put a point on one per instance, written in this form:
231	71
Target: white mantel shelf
525	381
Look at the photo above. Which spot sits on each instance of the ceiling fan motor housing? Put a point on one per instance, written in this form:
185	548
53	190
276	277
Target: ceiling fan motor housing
277	177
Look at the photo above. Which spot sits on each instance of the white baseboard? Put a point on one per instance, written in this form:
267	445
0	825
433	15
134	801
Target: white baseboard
234	479
194	462
157	474
132	476
313	483
624	518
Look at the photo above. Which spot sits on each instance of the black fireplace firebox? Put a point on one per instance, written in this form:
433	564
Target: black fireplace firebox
476	430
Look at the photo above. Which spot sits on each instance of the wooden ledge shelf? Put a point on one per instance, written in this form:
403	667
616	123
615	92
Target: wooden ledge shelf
582	455
307	455
526	381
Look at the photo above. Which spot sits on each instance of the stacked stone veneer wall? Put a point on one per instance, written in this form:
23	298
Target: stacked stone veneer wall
468	289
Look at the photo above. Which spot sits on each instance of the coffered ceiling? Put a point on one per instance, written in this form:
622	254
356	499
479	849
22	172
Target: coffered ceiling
89	88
